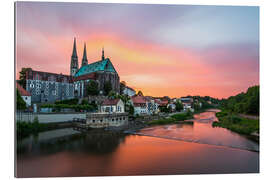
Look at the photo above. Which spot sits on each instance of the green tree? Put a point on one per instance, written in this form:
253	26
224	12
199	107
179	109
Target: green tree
22	78
112	95
178	106
92	88
130	109
122	86
21	105
164	109
107	87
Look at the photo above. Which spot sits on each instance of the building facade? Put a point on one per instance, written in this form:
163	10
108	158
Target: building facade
112	114
113	106
49	87
101	71
140	105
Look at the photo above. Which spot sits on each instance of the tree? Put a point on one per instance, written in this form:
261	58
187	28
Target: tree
130	109
112	95
107	87
178	106
164	109
22	78
21	105
140	93
92	88
122	86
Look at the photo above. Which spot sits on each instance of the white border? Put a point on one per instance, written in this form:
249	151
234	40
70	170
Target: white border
7	87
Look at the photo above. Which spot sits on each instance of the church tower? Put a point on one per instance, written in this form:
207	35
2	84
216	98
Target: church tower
84	59
102	57
74	60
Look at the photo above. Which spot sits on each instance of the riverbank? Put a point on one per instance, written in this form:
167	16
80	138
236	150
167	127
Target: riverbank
176	118
237	124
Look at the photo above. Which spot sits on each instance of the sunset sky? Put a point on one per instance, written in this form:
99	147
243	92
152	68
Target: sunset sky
173	50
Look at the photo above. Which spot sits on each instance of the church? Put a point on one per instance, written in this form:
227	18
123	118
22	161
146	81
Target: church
101	71
50	87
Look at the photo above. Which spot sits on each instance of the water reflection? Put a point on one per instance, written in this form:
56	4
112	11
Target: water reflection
91	142
201	131
68	152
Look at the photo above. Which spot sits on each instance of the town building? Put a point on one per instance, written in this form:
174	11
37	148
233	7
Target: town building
152	106
113	106
101	71
140	105
112	114
26	96
172	106
50	87
129	91
187	103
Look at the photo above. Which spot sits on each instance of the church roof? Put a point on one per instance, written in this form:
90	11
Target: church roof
102	65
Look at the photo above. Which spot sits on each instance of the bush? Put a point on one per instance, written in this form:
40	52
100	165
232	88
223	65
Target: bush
182	116
222	114
237	124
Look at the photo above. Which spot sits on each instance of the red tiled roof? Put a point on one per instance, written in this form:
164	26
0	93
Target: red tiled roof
110	102
162	103
86	76
22	91
138	99
45	76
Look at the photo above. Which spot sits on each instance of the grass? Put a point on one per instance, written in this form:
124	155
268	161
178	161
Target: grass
171	120
236	123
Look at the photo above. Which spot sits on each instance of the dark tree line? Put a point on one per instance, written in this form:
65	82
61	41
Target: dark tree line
246	103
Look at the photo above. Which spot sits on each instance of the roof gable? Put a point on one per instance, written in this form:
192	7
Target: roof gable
22	91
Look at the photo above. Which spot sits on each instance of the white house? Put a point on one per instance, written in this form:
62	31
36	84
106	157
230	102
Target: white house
112	113
129	91
113	106
26	96
140	105
187	103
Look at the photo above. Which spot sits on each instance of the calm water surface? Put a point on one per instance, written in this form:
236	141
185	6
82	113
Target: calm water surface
171	149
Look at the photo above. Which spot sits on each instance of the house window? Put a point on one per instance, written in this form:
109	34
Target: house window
93	121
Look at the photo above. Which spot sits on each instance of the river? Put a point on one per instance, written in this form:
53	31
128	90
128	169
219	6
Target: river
193	148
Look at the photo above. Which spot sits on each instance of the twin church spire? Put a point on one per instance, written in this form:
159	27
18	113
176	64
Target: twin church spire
74	58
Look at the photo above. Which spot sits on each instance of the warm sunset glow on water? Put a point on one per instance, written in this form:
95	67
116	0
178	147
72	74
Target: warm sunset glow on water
161	50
